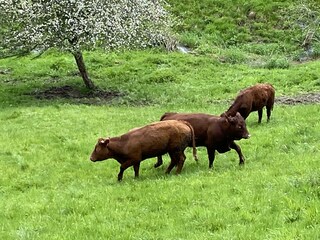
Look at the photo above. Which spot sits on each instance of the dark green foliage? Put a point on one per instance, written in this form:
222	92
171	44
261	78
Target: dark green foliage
162	76
235	23
277	62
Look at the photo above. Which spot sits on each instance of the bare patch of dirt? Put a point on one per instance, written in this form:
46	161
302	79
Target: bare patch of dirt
309	98
69	92
102	96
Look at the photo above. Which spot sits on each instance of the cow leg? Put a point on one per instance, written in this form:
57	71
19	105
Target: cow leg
171	165
123	167
260	115
236	147
173	162
180	163
211	155
120	175
159	162
136	168
268	113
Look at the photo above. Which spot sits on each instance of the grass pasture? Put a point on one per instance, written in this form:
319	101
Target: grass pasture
50	190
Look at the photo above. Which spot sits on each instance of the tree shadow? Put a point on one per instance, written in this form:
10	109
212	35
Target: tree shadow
96	96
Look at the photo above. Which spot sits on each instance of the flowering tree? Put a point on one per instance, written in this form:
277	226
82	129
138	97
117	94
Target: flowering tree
77	25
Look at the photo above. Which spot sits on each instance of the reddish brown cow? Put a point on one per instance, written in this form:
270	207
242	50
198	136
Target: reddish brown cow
253	99
213	132
146	142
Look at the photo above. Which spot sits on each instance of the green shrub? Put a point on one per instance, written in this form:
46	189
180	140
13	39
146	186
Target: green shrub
316	50
163	75
277	62
190	40
233	56
263	48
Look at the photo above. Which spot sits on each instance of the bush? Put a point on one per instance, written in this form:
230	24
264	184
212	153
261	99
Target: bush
162	76
277	62
233	56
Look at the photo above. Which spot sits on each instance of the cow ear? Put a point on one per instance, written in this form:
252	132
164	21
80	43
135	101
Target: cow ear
234	118
230	120
104	141
227	116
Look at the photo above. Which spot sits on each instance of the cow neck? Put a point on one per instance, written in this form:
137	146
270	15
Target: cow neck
226	129
116	146
232	111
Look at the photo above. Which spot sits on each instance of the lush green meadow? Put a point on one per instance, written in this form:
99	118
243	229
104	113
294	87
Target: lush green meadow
50	190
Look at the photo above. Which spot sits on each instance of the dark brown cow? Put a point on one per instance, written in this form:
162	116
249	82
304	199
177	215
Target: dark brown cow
146	142
213	132
253	99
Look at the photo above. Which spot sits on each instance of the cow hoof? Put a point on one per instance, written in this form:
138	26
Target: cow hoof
241	164
157	165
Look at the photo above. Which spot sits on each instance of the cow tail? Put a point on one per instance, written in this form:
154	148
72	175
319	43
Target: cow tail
194	149
273	96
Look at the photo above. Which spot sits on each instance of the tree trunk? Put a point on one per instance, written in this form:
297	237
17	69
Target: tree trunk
83	70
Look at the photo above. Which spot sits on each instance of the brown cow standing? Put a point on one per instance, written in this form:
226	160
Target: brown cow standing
213	132
146	142
253	99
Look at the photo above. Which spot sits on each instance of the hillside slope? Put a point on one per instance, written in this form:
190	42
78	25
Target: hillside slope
226	23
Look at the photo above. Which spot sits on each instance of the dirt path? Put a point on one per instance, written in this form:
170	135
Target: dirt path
105	96
309	98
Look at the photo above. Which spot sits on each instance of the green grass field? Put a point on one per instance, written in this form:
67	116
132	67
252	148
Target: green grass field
49	189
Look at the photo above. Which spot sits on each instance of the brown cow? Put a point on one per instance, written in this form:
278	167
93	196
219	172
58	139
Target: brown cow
252	99
146	142
213	132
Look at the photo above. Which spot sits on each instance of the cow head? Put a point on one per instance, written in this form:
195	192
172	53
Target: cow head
237	128
101	150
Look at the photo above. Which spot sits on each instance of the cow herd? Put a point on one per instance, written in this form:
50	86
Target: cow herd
176	131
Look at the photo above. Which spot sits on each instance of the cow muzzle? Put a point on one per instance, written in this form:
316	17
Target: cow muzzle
247	136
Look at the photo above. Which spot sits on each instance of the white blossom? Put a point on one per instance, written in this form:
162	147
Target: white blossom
83	24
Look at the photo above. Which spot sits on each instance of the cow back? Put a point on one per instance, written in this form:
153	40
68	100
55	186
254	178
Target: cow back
202	124
156	139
